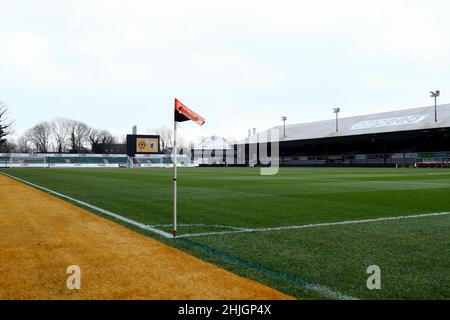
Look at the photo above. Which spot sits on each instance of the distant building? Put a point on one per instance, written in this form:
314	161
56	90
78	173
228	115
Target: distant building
212	151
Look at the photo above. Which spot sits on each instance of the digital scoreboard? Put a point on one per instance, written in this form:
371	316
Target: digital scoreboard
142	144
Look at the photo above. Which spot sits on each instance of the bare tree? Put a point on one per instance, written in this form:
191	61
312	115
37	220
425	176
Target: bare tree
101	141
120	145
185	146
79	136
8	147
166	137
39	136
5	124
61	134
182	144
22	145
122	139
190	144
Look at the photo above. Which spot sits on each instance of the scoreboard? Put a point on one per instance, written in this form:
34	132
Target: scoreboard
142	144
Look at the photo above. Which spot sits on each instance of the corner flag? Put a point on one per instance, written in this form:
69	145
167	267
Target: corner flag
182	113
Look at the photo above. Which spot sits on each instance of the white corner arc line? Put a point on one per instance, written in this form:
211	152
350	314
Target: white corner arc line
318	225
106	212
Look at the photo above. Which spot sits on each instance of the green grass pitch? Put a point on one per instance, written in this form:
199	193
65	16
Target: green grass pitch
321	262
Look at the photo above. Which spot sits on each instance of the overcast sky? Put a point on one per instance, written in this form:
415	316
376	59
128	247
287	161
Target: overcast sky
239	64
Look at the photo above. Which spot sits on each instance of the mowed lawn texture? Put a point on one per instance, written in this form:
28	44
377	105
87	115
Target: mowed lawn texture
41	236
413	254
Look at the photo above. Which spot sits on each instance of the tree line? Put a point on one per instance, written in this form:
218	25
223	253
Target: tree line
63	135
59	135
5	127
66	135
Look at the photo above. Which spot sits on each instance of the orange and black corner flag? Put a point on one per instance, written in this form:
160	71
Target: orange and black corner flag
183	113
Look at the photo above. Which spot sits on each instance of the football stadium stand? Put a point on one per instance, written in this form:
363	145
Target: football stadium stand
408	137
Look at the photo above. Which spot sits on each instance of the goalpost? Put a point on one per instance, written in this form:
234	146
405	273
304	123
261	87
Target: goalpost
27	160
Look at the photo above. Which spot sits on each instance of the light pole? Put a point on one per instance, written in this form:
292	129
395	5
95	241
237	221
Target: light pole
435	95
284	125
337	110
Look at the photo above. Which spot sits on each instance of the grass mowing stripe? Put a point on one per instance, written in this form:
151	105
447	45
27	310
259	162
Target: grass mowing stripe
318	225
323	290
108	213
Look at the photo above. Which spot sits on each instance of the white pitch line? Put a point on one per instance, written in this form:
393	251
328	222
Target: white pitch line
218	226
318	225
85	204
328	292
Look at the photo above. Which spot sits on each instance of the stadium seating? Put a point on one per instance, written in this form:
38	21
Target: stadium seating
58	160
116	160
87	160
167	160
32	161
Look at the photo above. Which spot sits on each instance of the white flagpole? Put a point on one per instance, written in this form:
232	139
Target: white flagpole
175	179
